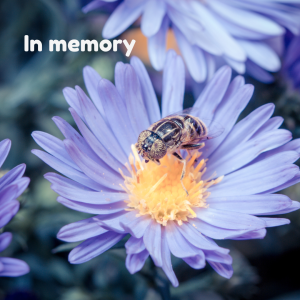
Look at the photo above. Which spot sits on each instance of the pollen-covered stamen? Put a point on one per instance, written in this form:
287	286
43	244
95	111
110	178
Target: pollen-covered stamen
156	190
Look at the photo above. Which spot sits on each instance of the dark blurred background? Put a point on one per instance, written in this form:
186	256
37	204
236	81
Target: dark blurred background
31	86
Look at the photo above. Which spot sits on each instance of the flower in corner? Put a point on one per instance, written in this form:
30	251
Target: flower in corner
12	185
230	183
291	62
208	32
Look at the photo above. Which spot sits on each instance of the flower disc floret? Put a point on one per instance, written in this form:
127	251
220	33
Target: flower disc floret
156	190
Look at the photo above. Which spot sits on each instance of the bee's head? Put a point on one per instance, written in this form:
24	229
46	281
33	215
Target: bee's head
151	146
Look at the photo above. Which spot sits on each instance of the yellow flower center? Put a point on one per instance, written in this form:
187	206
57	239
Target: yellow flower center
156	190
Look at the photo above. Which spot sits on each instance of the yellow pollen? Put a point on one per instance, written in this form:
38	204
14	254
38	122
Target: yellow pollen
156	190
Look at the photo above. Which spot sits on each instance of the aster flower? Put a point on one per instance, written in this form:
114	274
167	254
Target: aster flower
292	61
230	183
12	185
209	32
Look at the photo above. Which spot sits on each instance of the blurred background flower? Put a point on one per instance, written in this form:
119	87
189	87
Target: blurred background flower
12	185
31	86
291	61
208	33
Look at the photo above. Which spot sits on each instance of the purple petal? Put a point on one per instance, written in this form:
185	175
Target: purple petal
91	81
258	73
213	92
238	66
4	150
229	220
115	116
98	126
195	237
93	5
80	230
196	262
273	222
5	239
193	56
97	146
74	191
248	151
124	73
255	234
154	12
227	114
132	95
8	193
262	55
70	133
295	206
93	208
135	262
122	17
93	247
222	269
13	267
14	174
295	179
134	245
8	211
218	257
178	245
66	170
53	146
247	19
225	41
243	130
192	28
13	191
157	45
173	84
215	232
114	224
271	125
251	204
96	172
166	259
147	89
72	99
152	240
137	226
258	177
65	182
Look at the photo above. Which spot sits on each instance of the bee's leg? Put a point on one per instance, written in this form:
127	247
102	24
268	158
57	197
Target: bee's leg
192	146
189	147
183	170
189	153
157	161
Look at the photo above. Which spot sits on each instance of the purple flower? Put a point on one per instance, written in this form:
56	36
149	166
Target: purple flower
292	61
12	185
230	186
209	33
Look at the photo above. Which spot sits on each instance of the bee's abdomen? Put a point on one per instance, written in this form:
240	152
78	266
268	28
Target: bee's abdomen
195	127
169	131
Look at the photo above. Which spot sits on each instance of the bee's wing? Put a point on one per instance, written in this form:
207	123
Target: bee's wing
214	129
187	111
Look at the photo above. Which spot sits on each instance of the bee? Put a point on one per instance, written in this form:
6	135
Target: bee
179	131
